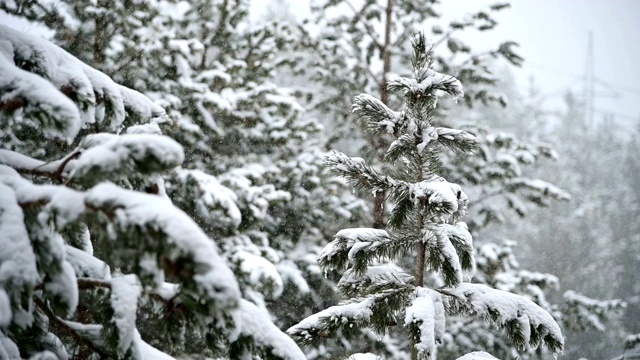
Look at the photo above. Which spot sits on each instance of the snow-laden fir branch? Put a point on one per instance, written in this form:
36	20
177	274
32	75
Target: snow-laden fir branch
455	139
582	313
527	324
160	221
416	142
442	256
112	157
439	196
434	197
125	291
86	265
38	99
377	311
425	319
357	248
58	85
215	201
346	245
94	335
359	174
427	86
462	241
477	355
534	188
255	324
376	278
377	116
18	262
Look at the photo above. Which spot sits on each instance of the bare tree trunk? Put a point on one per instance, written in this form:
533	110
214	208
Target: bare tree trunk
380	144
98	41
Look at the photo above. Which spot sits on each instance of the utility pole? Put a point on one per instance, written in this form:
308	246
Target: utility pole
589	83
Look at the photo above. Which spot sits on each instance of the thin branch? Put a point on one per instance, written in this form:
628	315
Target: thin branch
13	104
90	283
34	204
472	58
131	59
486	196
367	26
67	329
443	38
73	156
446	292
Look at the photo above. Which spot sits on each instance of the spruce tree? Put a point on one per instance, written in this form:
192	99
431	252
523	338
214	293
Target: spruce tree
252	177
424	231
94	253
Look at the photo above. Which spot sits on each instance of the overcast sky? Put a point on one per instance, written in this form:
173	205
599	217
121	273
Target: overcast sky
553	40
553	37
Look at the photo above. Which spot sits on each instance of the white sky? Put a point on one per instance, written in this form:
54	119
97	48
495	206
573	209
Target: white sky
553	37
553	40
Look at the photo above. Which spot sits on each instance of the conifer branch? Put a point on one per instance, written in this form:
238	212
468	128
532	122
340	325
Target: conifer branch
360	175
377	311
526	323
62	325
366	25
377	116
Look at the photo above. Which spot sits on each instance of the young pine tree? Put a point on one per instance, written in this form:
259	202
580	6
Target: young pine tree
425	232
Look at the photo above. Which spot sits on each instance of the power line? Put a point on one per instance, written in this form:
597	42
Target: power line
627	89
573	75
551	69
615	114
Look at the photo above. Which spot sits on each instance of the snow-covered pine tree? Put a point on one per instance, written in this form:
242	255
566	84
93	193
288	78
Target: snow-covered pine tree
252	177
254	160
86	256
424	231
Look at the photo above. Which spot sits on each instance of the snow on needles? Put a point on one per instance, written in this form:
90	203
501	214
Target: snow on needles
212	193
63	204
440	194
215	279
5	308
92	89
17	262
355	311
427	313
256	324
41	96
429	84
364	356
259	270
477	355
507	307
125	291
108	153
86	265
353	241
439	81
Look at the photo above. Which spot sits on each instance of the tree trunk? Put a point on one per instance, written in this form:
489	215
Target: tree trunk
380	143
98	41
